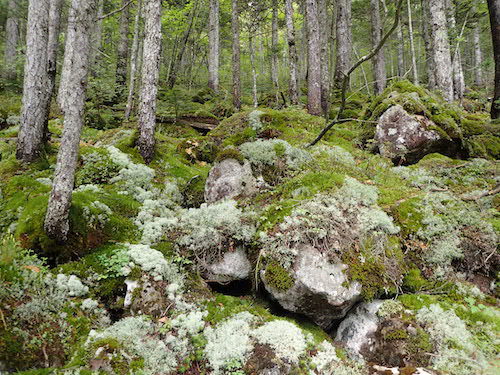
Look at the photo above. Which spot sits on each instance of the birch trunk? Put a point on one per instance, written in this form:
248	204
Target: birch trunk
494	9
274	49
314	106
150	76
412	46
76	65
213	46
122	51
11	40
36	92
379	73
292	53
441	48
478	56
344	41
429	53
325	71
133	61
235	28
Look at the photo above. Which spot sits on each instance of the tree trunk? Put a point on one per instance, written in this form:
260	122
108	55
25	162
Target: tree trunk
254	70
76	65
400	51
456	56
325	71
150	76
292	53
133	61
213	46
441	48
494	9
314	59
97	39
344	41
429	52
478	56
274	49
379	73
235	27
11	40
412	46
36	92
122	51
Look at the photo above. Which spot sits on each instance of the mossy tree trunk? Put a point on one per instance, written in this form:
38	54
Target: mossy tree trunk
77	59
379	73
36	91
325	69
11	40
426	33
456	55
235	28
149	79
274	49
314	87
344	42
494	9
292	53
213	46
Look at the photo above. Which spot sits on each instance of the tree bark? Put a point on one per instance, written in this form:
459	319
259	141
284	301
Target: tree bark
36	92
150	76
441	48
76	65
11	40
274	49
254	70
478	56
133	61
292	53
429	53
314	90
412	46
494	10
325	71
456	56
344	41
213	46
122	51
379	72
235	28
400	51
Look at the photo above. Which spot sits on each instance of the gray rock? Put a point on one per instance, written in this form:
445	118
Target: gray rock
319	291
401	135
233	266
229	179
356	330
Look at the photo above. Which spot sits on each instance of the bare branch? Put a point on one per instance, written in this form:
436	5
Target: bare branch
115	11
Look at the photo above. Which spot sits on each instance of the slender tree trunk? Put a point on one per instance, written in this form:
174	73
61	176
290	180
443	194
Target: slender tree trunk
292	53
429	51
235	27
122	51
379	73
274	50
441	48
254	70
36	92
133	61
400	51
76	65
478	56
456	56
11	40
97	39
494	9
344	41
412	46
213	46
150	76
314	78
325	71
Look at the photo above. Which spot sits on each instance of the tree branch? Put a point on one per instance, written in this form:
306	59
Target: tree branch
362	60
115	11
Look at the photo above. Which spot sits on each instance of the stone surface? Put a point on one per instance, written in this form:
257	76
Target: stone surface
233	266
400	135
356	331
319	289
229	179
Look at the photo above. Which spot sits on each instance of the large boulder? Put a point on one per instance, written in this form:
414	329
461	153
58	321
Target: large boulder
229	179
320	288
233	266
404	137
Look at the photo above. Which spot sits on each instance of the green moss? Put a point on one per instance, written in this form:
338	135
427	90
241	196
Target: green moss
420	343
230	153
278	277
396	334
414	282
408	215
193	192
222	307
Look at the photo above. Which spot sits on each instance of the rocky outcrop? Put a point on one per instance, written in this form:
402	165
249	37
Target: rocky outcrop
229	179
234	265
406	137
356	330
320	288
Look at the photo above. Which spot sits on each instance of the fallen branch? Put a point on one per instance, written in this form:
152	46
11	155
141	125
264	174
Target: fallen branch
347	76
495	191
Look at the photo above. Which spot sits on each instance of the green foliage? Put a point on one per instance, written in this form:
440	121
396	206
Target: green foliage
278	277
97	167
